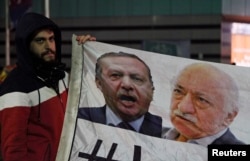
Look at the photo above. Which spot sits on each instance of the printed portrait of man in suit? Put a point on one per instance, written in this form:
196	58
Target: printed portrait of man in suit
203	104
126	83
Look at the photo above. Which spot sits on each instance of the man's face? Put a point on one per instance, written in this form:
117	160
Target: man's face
43	45
126	86
197	104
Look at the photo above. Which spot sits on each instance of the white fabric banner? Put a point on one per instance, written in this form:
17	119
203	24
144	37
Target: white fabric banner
86	140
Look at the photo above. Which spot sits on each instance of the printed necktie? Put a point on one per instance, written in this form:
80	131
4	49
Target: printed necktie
125	125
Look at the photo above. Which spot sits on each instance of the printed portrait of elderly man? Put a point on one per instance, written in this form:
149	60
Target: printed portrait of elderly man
204	103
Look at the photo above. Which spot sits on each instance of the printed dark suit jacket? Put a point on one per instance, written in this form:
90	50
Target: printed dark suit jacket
227	138
152	124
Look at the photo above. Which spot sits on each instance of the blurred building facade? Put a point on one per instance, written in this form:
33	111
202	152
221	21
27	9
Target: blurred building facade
130	23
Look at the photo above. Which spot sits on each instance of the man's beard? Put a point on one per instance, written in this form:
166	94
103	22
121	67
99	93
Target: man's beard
50	71
49	51
39	61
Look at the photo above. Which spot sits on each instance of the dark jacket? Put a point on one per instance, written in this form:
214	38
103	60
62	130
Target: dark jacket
152	124
33	98
227	138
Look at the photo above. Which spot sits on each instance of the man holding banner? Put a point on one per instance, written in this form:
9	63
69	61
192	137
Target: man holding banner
33	97
126	83
204	103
